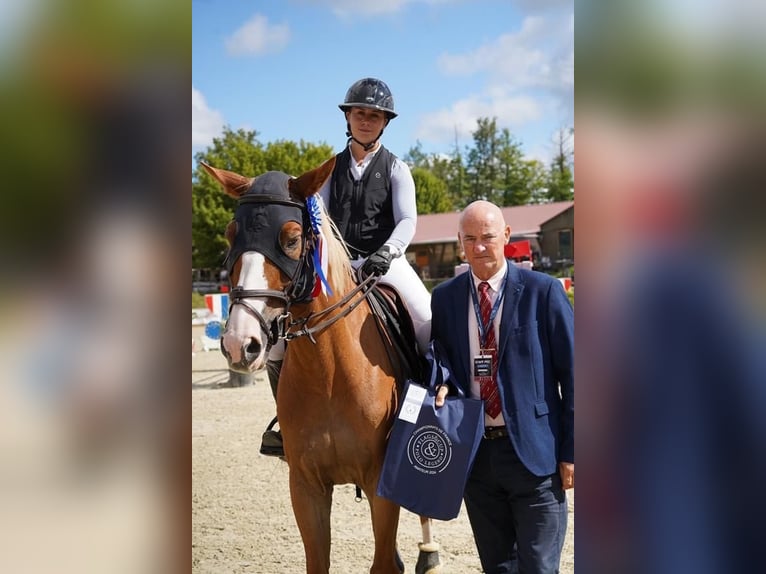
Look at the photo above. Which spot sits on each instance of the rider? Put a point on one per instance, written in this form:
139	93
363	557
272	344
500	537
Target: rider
371	198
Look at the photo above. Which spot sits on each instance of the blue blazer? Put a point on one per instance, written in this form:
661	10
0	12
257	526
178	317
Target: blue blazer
535	360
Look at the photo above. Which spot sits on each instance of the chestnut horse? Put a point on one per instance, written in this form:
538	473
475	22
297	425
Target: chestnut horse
338	395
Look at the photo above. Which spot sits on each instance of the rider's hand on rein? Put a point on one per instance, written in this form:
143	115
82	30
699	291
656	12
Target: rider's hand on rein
379	262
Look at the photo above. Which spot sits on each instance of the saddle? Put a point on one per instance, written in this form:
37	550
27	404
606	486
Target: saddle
395	325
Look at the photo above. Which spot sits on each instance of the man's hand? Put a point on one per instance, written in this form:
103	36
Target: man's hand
566	471
379	262
441	393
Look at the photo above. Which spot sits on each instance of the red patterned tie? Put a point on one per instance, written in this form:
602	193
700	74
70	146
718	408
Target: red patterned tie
488	385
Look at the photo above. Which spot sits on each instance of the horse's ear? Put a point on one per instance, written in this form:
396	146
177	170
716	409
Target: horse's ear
310	182
233	183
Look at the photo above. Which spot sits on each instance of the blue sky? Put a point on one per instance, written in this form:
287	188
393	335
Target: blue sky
282	67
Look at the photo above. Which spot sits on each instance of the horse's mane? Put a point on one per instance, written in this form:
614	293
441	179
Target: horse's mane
339	267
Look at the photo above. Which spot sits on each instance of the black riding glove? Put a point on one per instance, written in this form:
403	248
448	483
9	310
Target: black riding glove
379	262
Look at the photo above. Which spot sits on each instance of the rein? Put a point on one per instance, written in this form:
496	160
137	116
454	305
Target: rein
289	335
285	326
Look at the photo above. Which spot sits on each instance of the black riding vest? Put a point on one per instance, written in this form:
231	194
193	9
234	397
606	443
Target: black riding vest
363	210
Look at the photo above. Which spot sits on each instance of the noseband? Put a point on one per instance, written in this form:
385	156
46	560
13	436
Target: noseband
240	296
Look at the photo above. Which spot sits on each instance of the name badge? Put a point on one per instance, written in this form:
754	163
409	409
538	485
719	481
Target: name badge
482	366
413	401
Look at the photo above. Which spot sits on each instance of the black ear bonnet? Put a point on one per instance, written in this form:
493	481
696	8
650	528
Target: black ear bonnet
260	215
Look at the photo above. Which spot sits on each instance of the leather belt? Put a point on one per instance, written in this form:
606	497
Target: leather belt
491	433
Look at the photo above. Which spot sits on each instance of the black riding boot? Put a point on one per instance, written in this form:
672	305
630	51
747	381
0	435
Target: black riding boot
273	368
271	442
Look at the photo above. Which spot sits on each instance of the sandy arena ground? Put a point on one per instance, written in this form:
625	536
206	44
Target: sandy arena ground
242	521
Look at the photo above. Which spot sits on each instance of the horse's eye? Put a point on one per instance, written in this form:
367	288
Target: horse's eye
293	243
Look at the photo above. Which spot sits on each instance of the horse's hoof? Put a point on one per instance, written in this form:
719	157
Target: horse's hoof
428	559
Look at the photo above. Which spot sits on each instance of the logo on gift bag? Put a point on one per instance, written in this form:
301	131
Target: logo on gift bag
429	449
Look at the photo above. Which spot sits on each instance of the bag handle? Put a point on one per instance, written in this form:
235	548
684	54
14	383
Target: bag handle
440	367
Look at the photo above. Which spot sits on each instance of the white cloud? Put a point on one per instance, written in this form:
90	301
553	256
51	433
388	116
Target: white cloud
460	119
537	6
257	36
367	7
347	8
528	77
524	59
546	150
541	152
206	123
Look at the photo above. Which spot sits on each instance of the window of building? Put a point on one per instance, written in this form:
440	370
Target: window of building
565	244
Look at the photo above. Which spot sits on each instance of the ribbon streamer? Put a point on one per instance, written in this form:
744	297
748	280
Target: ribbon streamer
320	248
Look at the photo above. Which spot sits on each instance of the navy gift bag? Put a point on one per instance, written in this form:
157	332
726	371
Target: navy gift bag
430	451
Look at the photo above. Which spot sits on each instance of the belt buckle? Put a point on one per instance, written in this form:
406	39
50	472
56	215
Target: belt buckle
494	432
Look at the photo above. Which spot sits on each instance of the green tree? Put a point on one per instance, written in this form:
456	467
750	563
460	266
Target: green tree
438	179
497	170
535	179
453	171
415	157
482	162
241	152
295	158
432	194
237	151
515	176
560	181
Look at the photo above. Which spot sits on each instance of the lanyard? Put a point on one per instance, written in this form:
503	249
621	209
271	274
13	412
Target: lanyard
484	329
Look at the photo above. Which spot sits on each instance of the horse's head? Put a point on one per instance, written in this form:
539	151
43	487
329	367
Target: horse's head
269	259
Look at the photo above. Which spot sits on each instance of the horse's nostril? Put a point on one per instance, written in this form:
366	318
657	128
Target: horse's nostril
253	348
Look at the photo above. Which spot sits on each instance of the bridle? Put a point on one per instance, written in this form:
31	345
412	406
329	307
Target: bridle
293	328
302	275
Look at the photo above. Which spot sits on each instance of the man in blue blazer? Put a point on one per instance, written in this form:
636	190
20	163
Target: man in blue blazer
524	371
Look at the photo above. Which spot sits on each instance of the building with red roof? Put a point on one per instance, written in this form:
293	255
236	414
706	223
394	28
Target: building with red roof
549	227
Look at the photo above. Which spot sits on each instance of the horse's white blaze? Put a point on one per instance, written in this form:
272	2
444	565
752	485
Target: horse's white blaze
242	326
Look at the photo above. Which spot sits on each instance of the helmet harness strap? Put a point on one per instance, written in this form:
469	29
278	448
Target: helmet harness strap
365	147
368	146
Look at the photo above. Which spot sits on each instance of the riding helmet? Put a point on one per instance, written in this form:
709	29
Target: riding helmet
370	93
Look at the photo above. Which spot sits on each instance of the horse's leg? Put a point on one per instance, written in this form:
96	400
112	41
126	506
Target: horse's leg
428	555
311	507
385	522
425	526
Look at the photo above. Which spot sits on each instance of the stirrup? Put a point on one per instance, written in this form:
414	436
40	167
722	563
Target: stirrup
271	441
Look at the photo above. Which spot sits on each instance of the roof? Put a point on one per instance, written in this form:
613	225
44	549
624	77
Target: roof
525	220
